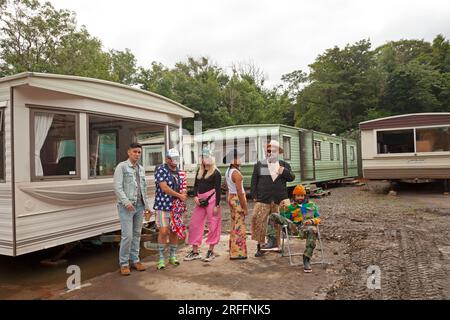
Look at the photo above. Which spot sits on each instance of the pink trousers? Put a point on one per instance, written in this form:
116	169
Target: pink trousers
197	223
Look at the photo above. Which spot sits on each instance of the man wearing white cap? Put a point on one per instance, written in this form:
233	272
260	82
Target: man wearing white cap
268	188
168	185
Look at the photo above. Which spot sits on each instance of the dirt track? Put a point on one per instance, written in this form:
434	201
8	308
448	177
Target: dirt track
406	236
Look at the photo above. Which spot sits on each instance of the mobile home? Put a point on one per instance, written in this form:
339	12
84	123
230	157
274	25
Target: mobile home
61	138
407	147
314	157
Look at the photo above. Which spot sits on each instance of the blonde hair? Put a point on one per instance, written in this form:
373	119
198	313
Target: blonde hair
211	170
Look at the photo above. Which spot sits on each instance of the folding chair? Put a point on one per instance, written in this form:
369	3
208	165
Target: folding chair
287	251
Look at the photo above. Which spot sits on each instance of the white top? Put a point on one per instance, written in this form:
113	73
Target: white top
231	185
273	169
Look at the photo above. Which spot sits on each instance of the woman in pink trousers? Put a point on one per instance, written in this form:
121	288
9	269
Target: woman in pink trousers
207	190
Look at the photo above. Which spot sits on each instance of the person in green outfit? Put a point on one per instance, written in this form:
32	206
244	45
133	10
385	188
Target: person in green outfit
302	217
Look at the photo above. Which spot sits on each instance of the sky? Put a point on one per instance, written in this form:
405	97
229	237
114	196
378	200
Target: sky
277	36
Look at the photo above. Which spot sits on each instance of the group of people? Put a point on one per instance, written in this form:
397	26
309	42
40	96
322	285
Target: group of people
272	208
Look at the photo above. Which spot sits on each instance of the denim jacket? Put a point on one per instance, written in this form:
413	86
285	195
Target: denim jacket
125	185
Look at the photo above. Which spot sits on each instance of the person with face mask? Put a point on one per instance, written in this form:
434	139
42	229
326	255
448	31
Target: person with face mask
268	189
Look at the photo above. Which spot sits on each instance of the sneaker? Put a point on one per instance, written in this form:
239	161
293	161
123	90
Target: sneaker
209	256
174	261
259	253
139	266
125	271
161	265
307	264
192	256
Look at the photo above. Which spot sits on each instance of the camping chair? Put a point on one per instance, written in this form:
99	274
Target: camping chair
287	250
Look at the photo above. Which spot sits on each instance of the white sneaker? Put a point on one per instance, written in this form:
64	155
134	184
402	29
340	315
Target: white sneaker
192	256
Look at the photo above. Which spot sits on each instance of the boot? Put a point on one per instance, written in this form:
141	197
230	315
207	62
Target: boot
307	264
270	245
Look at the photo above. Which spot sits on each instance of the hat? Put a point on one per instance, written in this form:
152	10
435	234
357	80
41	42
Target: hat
231	155
172	153
274	144
206	152
299	189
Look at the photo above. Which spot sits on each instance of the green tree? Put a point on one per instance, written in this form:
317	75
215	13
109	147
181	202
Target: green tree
37	37
344	84
412	88
81	54
414	74
123	66
31	34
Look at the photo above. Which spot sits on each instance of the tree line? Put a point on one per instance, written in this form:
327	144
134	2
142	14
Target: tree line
342	87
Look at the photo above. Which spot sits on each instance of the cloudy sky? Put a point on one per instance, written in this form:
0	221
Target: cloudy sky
277	36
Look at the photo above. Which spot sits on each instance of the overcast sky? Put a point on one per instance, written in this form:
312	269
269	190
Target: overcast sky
277	36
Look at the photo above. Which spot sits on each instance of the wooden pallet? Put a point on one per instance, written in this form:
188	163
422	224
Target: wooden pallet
316	192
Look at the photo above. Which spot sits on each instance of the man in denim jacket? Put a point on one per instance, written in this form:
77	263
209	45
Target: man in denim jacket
131	191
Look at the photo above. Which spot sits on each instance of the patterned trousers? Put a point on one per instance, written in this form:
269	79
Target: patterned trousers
260	216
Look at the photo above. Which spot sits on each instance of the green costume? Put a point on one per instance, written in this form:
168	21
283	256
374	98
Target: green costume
302	217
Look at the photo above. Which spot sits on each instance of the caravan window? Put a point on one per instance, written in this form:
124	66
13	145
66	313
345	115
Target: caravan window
2	146
251	150
109	139
317	151
54	145
287	148
352	153
395	141
433	139
338	152
331	151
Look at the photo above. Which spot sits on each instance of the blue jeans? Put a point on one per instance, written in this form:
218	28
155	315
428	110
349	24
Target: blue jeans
131	224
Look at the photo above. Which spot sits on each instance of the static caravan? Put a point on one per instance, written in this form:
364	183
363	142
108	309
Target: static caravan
314	156
407	147
61	138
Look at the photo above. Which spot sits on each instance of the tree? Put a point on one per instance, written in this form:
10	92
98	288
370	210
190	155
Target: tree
414	76
413	88
123	66
343	86
31	34
81	54
37	37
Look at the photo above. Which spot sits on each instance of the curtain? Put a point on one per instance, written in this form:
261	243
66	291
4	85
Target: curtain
94	146
42	124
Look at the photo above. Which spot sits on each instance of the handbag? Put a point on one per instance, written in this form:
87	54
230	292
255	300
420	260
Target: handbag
205	202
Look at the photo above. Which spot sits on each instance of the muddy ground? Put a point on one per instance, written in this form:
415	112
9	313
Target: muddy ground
405	236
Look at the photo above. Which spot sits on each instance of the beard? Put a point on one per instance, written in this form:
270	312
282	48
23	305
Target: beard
272	157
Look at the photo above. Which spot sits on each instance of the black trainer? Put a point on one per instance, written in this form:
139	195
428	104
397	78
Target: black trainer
209	256
259	253
270	245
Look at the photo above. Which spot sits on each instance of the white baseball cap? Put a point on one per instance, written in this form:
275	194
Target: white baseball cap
172	153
